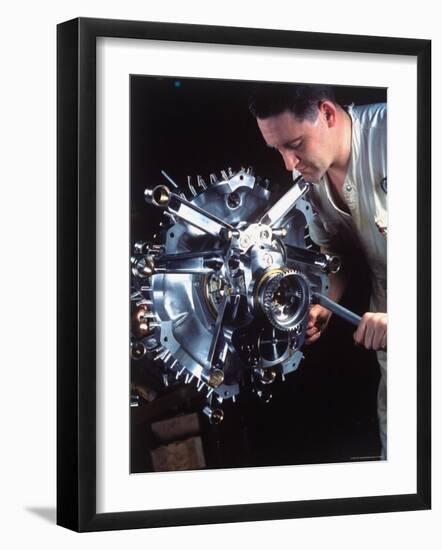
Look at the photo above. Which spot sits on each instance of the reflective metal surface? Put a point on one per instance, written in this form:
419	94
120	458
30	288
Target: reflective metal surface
226	292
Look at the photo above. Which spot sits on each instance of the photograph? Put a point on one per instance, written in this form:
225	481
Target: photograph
223	218
258	268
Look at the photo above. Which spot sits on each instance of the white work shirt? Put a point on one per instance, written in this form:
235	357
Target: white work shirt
365	193
365	227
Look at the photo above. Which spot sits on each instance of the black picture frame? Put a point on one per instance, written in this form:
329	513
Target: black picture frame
76	273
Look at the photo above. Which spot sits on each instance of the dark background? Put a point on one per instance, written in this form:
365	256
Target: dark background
326	410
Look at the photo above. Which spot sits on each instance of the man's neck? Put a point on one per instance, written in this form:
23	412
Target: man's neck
337	171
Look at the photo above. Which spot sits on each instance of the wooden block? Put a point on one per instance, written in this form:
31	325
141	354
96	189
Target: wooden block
180	455
178	427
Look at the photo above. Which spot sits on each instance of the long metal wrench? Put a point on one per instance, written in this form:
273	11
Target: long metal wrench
339	310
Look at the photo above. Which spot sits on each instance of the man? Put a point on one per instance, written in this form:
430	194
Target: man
342	152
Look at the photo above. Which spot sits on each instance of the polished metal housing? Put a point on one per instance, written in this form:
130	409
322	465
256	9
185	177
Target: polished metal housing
227	290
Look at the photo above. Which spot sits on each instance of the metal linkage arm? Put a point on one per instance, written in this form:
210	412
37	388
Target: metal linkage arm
197	263
175	204
325	262
283	206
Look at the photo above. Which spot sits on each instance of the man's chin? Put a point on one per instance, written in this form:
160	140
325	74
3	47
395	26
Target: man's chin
311	178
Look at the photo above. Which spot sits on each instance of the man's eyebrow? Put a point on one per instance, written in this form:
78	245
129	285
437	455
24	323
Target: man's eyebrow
292	141
286	144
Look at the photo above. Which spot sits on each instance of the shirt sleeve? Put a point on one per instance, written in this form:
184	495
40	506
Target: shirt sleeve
318	233
321	233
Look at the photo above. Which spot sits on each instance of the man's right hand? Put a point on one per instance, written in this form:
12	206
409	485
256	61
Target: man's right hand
317	323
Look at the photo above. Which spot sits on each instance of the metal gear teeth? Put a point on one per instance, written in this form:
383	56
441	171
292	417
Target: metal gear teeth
268	299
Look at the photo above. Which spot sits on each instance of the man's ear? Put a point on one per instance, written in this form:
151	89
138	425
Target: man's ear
327	109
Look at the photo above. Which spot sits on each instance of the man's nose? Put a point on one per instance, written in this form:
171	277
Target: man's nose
291	161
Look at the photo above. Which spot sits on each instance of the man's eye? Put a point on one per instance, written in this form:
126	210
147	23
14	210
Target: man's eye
296	145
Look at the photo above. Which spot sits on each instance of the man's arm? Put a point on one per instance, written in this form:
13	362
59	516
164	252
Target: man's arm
372	329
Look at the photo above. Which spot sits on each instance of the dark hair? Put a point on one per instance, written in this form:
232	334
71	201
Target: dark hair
270	99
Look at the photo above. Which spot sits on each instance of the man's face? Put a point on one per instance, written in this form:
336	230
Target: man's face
305	146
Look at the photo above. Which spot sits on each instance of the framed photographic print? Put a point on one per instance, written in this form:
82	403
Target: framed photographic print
228	253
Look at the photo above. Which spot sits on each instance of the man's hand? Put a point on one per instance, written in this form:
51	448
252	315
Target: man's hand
317	322
372	331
